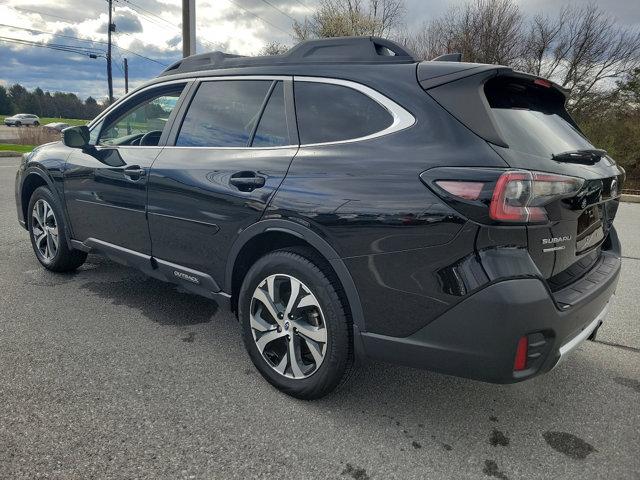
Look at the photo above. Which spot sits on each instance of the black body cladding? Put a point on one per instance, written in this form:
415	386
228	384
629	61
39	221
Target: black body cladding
410	257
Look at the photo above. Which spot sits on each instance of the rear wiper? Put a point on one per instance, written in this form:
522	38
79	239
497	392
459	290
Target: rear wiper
588	156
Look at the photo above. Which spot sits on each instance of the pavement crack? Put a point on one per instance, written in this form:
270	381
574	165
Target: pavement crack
630	258
617	345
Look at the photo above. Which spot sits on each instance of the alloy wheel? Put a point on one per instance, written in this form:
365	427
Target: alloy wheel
288	326
44	229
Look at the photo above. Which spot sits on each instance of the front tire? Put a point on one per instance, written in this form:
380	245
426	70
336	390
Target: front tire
49	235
36	124
294	323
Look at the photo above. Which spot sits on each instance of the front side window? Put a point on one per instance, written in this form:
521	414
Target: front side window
223	113
143	122
331	113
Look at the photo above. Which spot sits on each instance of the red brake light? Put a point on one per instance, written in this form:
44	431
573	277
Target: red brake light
466	190
543	83
520	362
520	195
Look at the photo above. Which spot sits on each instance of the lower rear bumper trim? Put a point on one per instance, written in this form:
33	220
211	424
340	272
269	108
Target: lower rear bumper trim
585	333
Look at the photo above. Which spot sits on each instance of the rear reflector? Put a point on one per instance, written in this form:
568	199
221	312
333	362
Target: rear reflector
520	362
466	190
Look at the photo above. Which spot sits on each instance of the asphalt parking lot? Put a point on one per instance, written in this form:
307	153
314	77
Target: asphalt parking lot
108	374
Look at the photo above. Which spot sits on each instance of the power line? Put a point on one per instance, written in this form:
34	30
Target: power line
258	16
305	6
278	9
83	40
54	46
146	11
42	14
42	32
147	15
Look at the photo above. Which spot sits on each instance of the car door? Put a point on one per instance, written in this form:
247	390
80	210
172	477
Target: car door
105	185
224	161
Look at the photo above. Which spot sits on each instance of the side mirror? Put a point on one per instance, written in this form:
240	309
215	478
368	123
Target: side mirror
76	137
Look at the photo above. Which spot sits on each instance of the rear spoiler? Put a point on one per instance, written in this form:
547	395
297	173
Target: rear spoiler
448	57
460	90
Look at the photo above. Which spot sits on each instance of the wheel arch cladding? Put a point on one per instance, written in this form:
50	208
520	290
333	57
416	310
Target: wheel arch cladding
32	181
269	235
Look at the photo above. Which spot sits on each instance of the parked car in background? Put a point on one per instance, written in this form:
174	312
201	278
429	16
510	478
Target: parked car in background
22	119
347	201
56	126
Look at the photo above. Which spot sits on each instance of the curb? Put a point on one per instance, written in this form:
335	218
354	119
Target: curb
627	197
9	153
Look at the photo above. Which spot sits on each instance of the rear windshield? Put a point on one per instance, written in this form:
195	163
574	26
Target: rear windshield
532	119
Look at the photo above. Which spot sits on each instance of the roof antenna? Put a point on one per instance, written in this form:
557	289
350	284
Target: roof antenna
448	57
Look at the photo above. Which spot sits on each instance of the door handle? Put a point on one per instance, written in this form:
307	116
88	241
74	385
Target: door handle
134	172
246	181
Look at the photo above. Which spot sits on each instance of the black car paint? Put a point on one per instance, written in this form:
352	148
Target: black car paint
404	256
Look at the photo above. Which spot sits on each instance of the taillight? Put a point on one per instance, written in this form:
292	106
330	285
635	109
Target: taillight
462	189
492	195
520	195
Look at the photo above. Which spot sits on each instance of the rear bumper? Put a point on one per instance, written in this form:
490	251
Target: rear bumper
478	337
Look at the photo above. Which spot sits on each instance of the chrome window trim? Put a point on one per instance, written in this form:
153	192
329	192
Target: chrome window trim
131	95
187	147
402	118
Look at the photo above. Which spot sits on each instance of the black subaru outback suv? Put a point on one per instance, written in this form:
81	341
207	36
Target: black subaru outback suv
347	202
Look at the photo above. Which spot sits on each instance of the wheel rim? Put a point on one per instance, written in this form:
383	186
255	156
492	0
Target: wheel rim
44	229
288	326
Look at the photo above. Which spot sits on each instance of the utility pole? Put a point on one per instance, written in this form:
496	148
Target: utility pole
126	76
188	27
110	28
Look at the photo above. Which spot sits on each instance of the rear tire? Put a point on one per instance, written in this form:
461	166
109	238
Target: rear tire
317	334
48	233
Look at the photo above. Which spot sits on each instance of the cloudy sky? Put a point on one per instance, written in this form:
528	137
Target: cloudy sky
148	34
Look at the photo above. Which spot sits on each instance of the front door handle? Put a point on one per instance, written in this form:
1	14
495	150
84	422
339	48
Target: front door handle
246	181
134	172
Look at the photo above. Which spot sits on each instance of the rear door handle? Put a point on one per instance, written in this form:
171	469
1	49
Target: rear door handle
246	181
134	172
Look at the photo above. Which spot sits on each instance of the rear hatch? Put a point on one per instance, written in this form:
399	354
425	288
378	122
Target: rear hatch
525	121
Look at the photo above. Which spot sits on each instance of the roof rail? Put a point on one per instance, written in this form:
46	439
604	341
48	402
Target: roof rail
448	57
326	50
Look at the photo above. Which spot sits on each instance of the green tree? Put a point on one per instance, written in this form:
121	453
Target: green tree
6	106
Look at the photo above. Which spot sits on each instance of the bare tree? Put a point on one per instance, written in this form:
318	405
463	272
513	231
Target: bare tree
542	48
581	49
339	18
273	48
486	31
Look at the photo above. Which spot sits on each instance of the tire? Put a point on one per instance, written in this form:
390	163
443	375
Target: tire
36	124
52	252
18	124
321	313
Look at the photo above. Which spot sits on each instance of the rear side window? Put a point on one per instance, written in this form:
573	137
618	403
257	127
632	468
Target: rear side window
532	119
331	113
223	113
272	130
